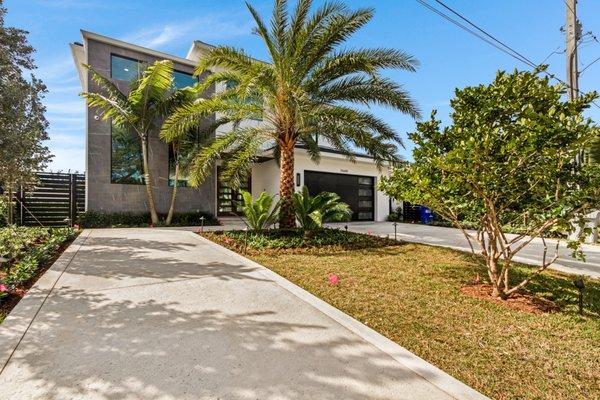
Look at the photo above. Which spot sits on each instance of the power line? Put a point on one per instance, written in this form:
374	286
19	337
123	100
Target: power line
589	65
468	30
528	61
493	41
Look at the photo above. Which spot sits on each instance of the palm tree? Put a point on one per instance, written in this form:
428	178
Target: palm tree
151	96
308	88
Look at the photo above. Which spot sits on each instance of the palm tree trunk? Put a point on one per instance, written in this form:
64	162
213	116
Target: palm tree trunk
287	217
148	181
174	196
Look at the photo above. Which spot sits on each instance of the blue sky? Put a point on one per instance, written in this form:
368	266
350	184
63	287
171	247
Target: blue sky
449	57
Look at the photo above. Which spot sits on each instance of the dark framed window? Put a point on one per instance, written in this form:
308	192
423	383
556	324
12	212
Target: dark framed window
230	201
183	79
126	163
124	68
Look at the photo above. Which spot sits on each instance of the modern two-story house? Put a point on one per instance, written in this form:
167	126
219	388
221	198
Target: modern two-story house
114	181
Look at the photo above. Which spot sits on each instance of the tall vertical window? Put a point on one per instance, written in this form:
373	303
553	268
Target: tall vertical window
181	80
126	165
125	69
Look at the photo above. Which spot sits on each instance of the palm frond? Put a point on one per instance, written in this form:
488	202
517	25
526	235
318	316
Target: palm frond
154	84
106	85
359	89
368	61
110	108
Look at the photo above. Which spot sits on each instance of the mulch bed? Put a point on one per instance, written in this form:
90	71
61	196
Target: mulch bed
517	301
16	294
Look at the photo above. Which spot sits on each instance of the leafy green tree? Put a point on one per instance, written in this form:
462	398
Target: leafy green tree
260	213
507	157
313	212
594	151
310	85
22	122
150	99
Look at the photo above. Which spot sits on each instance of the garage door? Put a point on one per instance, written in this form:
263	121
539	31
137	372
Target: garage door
357	191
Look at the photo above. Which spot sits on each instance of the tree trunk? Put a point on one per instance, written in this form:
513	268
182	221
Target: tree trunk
174	196
287	216
148	181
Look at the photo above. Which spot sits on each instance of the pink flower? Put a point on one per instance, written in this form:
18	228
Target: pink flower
333	279
76	227
3	288
369	232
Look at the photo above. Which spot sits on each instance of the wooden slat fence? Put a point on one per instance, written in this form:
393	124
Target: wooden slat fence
55	200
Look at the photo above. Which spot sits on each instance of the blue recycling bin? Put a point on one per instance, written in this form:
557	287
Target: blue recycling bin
425	215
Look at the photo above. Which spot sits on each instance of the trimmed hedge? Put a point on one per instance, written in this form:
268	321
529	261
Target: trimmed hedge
96	219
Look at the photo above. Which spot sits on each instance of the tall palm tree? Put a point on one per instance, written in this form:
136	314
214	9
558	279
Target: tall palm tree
150	97
310	86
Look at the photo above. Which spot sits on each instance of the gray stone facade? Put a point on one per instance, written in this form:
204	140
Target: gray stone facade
102	195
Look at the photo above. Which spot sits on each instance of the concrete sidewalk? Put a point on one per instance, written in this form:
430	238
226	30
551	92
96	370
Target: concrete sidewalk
453	238
164	314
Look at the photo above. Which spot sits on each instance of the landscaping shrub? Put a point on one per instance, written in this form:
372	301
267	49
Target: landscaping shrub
396	215
260	213
313	211
290	239
96	219
27	249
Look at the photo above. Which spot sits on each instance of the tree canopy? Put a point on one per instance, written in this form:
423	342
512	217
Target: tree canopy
22	122
507	157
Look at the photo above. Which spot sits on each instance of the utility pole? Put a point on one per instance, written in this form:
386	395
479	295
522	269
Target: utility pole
572	35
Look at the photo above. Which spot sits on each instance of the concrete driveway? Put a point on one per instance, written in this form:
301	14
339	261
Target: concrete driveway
450	237
163	314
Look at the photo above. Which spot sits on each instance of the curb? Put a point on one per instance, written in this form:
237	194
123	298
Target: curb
524	260
427	371
16	324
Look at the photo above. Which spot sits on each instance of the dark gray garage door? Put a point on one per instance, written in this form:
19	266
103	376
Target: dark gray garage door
357	191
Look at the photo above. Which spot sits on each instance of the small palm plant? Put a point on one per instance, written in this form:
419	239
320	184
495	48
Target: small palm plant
313	212
260	213
150	98
311	85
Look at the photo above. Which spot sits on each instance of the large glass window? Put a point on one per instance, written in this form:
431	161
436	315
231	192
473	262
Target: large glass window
181	80
125	69
126	157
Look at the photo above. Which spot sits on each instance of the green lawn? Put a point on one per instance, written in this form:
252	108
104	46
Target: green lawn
412	294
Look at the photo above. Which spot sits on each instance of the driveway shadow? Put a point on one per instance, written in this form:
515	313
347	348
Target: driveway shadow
144	319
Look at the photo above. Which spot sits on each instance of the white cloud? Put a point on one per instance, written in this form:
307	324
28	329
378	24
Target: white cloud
215	27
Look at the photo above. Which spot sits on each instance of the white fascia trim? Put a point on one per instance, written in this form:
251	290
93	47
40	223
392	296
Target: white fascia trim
78	53
119	43
325	154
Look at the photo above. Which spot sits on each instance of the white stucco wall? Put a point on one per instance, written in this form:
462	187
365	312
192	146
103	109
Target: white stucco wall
265	176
